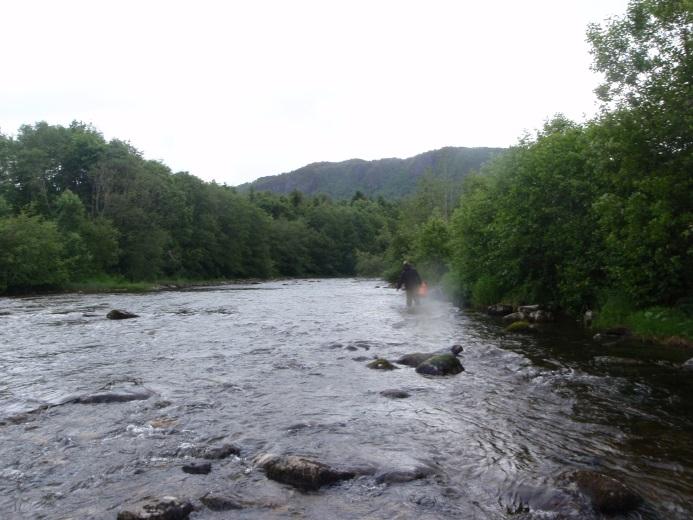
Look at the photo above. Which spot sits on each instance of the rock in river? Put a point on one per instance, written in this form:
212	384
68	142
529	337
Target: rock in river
381	364
394	394
117	314
441	365
121	395
201	468
300	472
166	508
414	359
521	326
608	495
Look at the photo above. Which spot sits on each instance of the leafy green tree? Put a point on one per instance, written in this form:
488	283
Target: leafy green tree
31	253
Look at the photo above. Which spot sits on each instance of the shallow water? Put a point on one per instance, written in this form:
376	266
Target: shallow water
270	367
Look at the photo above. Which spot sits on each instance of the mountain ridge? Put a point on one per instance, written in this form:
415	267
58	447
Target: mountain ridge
387	177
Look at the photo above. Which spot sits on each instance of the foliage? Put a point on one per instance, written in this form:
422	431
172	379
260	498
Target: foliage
31	253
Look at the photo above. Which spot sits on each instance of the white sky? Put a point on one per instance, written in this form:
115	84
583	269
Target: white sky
233	91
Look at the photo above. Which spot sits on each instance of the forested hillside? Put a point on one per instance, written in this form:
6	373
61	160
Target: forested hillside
388	178
74	207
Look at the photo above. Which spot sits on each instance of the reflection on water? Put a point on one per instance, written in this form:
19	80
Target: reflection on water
280	367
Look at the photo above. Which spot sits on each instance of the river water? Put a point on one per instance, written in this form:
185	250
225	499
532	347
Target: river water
279	367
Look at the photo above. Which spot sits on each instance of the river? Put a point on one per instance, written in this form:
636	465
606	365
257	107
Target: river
280	367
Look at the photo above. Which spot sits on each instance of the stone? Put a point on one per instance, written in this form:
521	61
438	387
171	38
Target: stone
221	451
515	316
123	395
608	495
300	472
440	365
381	364
401	476
528	308
415	359
500	309
521	326
202	468
688	365
165	508
394	394
540	316
220	503
117	314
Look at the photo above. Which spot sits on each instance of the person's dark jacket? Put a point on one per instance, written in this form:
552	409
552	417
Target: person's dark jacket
409	279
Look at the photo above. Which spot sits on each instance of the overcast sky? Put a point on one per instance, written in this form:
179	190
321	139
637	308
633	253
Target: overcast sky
233	91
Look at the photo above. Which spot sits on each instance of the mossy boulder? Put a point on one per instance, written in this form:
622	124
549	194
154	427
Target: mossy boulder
608	495
440	365
522	326
414	359
381	364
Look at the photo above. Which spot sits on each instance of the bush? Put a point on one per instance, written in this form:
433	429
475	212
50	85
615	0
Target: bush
31	253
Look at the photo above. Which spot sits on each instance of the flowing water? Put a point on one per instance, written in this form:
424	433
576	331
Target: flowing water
280	367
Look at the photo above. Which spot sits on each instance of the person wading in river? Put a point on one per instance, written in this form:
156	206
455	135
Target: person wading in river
411	281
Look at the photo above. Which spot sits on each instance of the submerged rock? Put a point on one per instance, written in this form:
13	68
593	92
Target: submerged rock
608	495
123	395
166	508
300	472
688	365
219	452
202	468
381	364
220	503
500	309
440	365
394	394
401	476
521	326
117	314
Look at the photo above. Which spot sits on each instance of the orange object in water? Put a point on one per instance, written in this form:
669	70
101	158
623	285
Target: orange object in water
423	289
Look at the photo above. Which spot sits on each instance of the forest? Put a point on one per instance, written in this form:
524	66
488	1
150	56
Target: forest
595	215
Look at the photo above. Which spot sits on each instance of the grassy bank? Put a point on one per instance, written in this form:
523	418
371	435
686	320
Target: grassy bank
672	325
116	284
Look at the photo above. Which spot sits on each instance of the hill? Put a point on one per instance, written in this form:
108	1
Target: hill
390	178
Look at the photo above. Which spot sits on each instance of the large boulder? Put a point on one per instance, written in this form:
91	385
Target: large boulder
166	508
608	495
117	314
300	472
440	365
416	358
